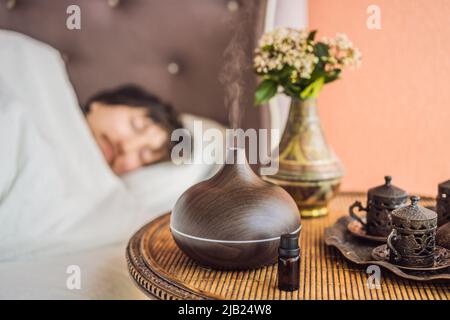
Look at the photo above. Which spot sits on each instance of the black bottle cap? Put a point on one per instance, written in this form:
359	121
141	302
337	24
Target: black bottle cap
289	245
289	241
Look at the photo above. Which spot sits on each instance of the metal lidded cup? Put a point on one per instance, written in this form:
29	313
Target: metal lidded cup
412	241
381	201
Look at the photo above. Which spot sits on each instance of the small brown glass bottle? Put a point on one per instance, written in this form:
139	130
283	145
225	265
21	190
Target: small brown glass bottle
288	263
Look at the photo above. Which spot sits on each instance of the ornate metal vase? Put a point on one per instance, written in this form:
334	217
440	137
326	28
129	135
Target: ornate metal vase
381	201
412	241
443	203
308	168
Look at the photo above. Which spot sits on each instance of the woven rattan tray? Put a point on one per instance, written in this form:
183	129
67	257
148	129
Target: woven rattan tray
163	271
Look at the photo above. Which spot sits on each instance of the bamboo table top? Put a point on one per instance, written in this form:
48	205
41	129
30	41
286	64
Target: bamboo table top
164	272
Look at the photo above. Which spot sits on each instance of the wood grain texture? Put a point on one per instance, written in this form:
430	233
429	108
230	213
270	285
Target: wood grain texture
163	271
225	222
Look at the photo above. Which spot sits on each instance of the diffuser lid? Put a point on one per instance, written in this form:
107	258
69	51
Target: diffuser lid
254	220
235	205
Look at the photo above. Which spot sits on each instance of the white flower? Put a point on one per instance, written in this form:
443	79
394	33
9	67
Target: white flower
342	53
342	42
285	47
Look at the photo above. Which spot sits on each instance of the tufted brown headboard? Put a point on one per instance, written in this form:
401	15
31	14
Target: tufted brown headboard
173	48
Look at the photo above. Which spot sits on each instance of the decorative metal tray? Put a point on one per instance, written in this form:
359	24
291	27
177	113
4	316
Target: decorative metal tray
442	258
359	251
357	229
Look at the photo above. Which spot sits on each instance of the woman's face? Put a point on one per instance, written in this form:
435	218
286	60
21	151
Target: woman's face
127	137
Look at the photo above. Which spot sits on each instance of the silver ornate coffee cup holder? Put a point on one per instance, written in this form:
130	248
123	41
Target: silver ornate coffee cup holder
412	242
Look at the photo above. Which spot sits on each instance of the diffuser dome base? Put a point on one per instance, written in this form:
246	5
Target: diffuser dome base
228	254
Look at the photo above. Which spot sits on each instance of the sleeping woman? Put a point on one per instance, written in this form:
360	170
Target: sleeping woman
131	127
60	168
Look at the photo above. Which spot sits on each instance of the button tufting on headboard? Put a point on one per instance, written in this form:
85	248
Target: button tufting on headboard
113	3
173	48
10	4
233	5
173	68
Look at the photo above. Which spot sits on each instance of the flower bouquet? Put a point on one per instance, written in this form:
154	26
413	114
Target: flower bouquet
300	65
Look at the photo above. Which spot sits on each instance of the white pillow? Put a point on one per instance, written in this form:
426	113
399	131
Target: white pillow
158	186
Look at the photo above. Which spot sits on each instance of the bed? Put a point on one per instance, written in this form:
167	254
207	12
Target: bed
86	224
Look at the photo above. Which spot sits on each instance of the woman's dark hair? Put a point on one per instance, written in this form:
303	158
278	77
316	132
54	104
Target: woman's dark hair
135	96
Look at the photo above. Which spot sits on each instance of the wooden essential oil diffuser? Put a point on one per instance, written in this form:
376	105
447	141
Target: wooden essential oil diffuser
233	220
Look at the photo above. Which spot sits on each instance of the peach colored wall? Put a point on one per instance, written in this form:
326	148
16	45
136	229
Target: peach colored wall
391	116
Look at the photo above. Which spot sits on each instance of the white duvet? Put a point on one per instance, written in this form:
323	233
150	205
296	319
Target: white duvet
60	204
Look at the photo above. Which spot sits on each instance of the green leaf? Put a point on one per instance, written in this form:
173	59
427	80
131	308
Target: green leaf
312	35
317	73
292	91
265	91
268	47
321	49
313	89
333	75
285	73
